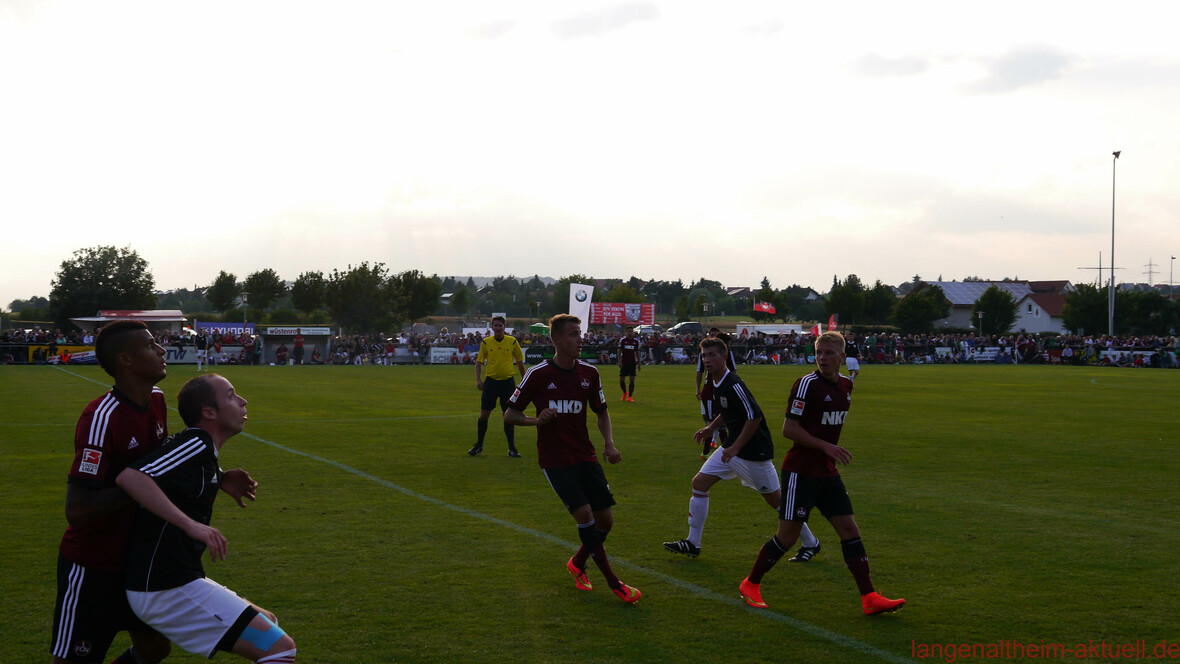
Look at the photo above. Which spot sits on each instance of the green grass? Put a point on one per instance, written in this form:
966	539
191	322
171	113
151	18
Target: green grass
1026	503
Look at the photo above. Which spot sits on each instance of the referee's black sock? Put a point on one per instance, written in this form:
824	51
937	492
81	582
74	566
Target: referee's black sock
482	429
509	433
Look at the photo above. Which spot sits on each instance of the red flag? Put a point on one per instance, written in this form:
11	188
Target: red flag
815	331
832	321
764	306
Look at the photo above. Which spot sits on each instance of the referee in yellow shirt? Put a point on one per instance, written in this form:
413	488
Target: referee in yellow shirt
499	352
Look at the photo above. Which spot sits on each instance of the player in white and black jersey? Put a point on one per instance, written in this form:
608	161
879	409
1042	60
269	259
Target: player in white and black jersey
202	344
177	484
748	455
705	393
852	357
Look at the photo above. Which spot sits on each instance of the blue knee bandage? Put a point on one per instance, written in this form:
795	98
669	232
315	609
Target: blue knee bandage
260	639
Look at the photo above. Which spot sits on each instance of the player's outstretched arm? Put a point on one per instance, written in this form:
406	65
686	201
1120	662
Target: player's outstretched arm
795	431
515	417
146	492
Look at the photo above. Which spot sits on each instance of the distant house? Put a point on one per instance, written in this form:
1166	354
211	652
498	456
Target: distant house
1039	303
739	292
1040	312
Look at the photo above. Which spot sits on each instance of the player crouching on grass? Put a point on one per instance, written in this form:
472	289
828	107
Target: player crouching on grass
165	581
562	390
816	410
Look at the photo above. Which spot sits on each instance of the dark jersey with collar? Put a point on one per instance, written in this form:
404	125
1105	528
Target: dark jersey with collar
628	350
737	406
820	407
112	433
564	441
851	349
160	556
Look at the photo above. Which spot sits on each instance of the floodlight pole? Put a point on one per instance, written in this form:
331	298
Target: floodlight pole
1113	172
979	315
1171	284
244	294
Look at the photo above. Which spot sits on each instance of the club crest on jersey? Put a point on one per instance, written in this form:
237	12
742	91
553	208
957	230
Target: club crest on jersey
724	401
585	384
90	461
801	512
82	648
566	406
159	430
796	406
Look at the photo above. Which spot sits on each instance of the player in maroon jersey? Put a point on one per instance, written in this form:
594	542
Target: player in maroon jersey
562	390
114	430
818	404
628	364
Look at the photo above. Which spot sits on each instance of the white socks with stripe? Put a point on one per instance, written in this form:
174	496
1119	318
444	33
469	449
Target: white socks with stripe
806	538
285	657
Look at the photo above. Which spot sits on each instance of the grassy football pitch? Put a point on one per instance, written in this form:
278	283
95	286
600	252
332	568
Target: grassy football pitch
1027	504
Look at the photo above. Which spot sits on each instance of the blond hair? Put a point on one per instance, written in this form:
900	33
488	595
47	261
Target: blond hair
831	337
560	321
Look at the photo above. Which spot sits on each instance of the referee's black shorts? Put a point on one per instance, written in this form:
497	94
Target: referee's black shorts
495	389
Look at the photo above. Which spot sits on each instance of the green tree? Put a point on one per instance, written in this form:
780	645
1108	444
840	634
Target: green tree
879	303
224	290
698	305
917	311
682	308
461	300
99	278
999	311
623	293
847	299
419	294
361	298
263	288
307	293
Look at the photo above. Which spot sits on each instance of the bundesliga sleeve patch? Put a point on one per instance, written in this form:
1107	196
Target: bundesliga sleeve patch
90	462
515	395
796	406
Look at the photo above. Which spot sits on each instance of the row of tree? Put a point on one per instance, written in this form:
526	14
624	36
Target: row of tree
368	297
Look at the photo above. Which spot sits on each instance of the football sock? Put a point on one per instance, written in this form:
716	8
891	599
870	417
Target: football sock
806	537
591	538
858	563
129	656
622	386
698	511
510	434
481	429
631	387
767	557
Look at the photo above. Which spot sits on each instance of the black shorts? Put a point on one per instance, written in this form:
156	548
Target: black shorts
581	484
801	493
91	608
493	390
626	369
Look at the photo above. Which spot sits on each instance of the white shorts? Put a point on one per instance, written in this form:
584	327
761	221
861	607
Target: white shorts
201	353
852	363
760	476
194	616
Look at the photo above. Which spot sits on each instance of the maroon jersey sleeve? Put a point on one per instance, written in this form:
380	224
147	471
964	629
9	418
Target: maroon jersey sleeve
524	393
94	438
597	400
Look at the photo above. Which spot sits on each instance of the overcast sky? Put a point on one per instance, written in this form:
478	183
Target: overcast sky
658	139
